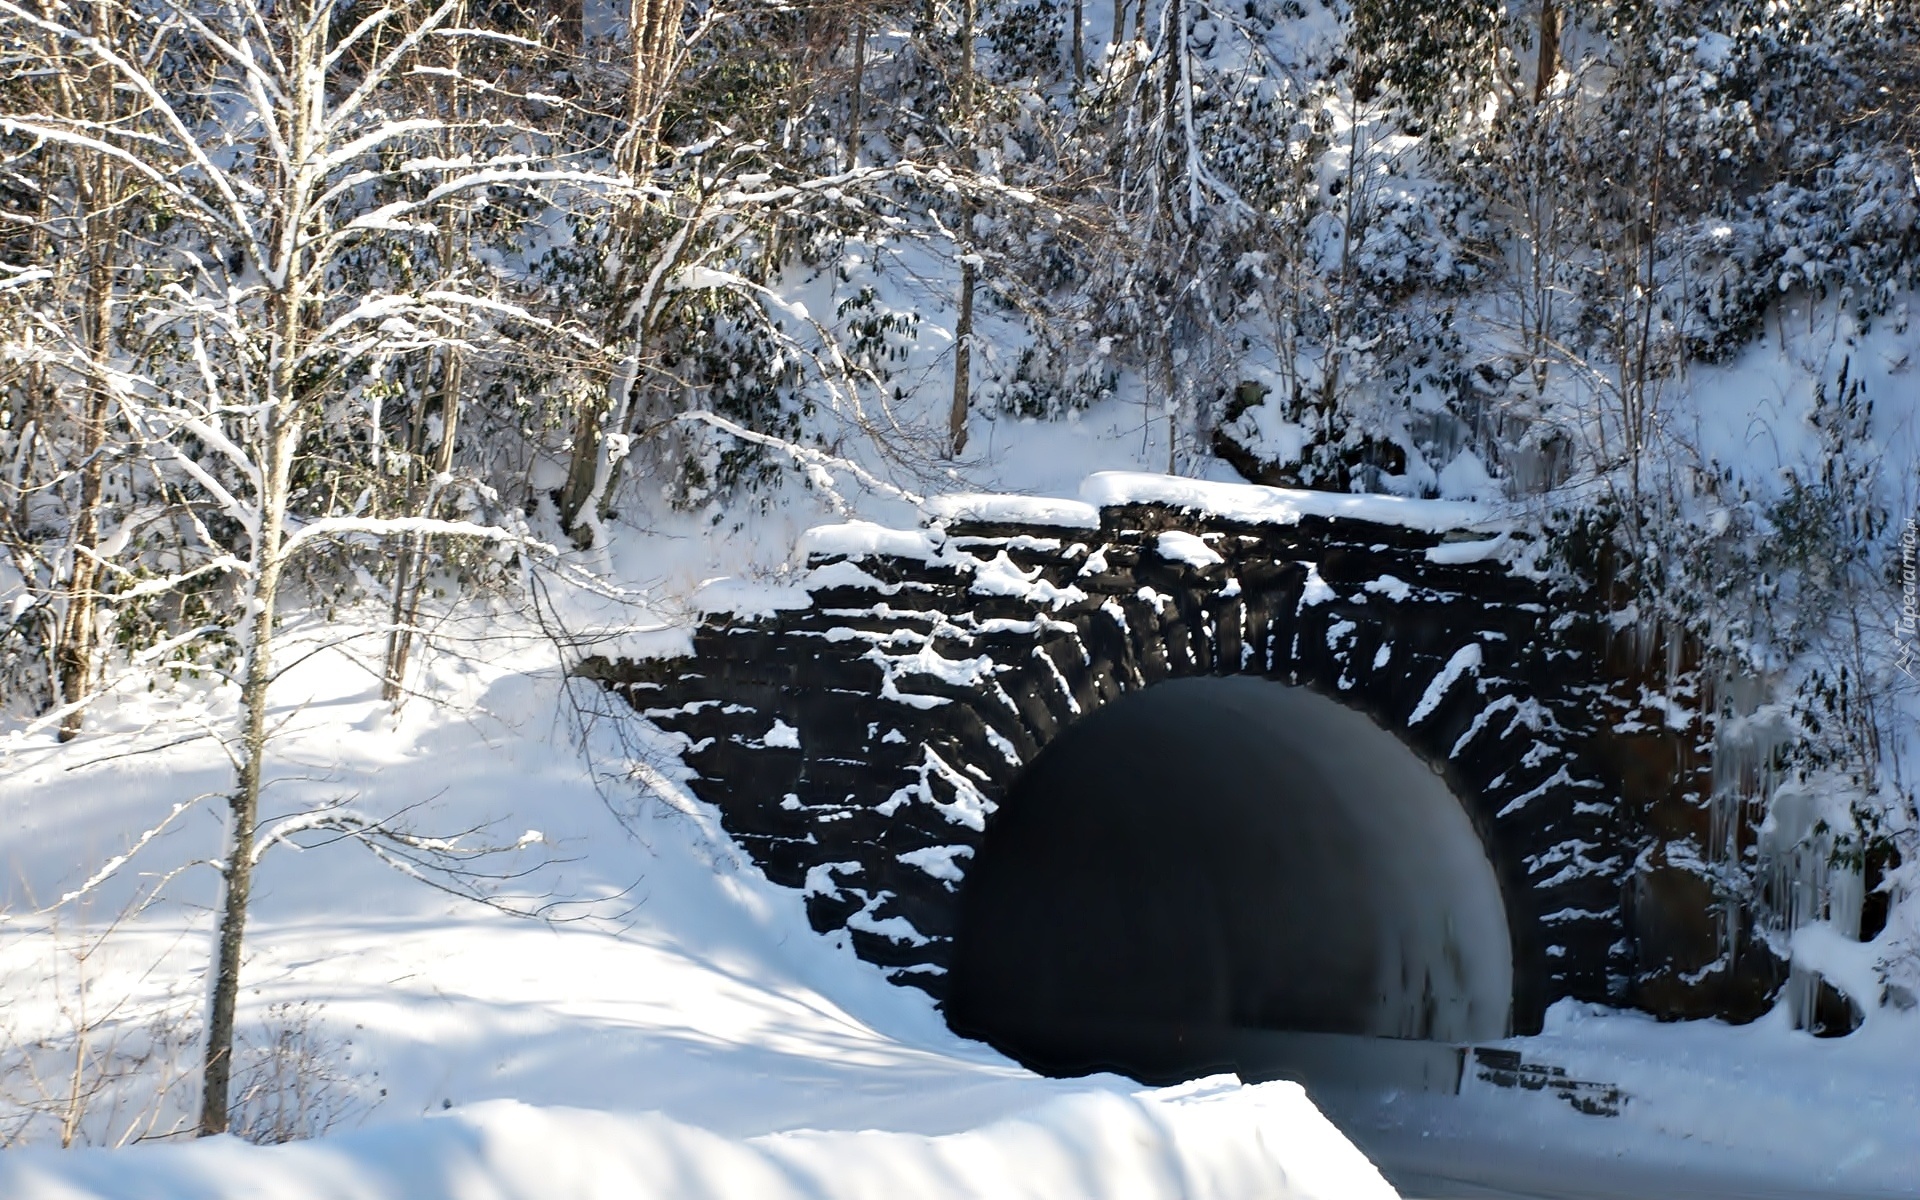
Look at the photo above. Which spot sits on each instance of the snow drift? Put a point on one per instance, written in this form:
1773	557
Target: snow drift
1211	1140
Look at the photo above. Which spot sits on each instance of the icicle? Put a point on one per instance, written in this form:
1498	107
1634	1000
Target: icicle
1748	738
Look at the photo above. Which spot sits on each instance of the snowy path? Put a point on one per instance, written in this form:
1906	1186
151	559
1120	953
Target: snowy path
1507	1179
1713	1112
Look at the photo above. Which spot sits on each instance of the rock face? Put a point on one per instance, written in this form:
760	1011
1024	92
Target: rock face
858	741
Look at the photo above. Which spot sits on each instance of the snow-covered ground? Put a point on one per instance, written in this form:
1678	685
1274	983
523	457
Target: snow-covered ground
672	1027
1712	1112
677	1019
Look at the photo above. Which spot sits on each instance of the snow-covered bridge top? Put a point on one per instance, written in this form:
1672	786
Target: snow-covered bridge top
1250	503
1244	503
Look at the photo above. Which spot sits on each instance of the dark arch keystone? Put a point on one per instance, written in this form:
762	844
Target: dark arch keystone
858	739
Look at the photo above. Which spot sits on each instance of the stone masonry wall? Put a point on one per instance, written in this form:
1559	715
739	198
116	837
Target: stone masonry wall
857	746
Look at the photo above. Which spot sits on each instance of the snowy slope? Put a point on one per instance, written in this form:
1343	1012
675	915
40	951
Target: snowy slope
672	1011
1206	1140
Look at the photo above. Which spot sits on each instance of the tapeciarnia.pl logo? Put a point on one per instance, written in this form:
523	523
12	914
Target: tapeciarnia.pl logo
1906	630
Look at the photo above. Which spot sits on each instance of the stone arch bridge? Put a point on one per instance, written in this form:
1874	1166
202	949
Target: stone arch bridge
1182	754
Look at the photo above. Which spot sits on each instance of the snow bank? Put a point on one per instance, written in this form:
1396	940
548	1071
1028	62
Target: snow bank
1107	489
1279	506
853	541
1212	1140
860	539
995	509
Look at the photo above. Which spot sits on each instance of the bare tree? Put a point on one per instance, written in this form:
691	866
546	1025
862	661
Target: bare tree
87	203
963	323
1547	58
656	47
704	222
276	330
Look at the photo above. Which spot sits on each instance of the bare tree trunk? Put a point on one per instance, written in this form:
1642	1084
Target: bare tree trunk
410	569
280	427
393	673
859	88
406	562
98	193
582	462
962	354
21	482
244	804
655	27
1080	40
1344	300
410	581
73	658
1169	387
1548	64
655	36
963	326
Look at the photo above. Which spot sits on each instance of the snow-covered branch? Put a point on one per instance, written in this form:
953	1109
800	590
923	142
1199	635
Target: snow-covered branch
388	217
451	864
232	212
381	527
111	867
383	71
816	463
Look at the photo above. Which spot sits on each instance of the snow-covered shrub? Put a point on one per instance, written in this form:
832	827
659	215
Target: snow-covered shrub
1434	57
1026	37
294	1080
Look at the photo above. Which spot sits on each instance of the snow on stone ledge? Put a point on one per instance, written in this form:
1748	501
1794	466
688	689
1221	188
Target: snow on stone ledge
852	541
1210	1140
748	597
1457	553
1175	546
987	508
861	539
1258	505
1247	502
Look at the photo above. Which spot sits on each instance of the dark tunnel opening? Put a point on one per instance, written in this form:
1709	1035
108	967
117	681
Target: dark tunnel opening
1213	856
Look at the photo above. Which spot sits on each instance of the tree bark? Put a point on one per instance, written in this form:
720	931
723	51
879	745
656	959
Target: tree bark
78	633
962	351
1170	388
655	36
963	326
98	193
1548	64
244	804
1079	40
410	577
859	88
